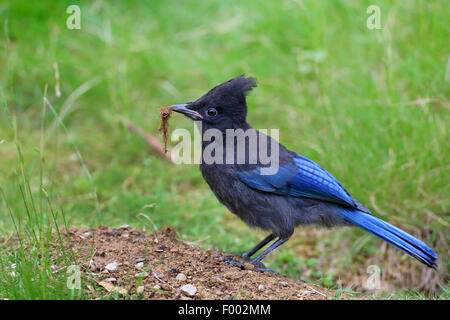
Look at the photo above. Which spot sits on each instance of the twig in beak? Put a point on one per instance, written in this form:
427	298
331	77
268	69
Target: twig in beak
163	128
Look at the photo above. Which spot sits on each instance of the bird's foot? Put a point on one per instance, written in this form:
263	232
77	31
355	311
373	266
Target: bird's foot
259	266
266	270
235	262
246	264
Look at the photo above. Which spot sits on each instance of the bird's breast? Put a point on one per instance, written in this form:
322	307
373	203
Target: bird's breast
226	186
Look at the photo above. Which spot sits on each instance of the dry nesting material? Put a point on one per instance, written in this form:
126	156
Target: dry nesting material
164	127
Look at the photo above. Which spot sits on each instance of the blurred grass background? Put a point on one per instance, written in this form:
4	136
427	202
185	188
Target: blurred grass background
370	106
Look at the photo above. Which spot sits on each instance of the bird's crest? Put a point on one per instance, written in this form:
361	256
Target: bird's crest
236	88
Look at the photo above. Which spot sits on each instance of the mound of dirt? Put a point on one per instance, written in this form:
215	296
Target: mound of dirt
159	266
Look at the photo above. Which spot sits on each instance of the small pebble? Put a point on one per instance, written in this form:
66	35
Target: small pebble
142	274
181	277
140	290
261	287
284	283
140	260
189	290
110	280
87	234
113	266
157	286
139	265
124	226
94	266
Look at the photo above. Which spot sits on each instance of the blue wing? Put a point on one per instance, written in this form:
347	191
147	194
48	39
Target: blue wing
304	178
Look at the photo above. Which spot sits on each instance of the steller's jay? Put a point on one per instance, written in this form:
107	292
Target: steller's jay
300	192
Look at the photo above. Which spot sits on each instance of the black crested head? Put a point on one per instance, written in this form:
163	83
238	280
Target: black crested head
224	106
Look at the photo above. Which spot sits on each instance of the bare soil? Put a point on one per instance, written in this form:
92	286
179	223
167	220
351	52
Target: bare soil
158	265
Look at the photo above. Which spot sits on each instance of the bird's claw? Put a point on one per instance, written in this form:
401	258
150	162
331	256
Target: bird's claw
258	265
266	270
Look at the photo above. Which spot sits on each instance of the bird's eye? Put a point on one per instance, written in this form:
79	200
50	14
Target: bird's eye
212	112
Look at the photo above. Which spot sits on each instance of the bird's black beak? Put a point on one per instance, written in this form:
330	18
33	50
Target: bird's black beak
184	109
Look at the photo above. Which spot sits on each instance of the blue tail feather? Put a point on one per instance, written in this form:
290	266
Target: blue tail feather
393	235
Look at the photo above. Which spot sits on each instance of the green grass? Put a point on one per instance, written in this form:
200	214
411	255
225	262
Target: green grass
371	106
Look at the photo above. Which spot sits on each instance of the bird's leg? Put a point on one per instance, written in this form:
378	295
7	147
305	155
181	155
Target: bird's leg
262	255
247	255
